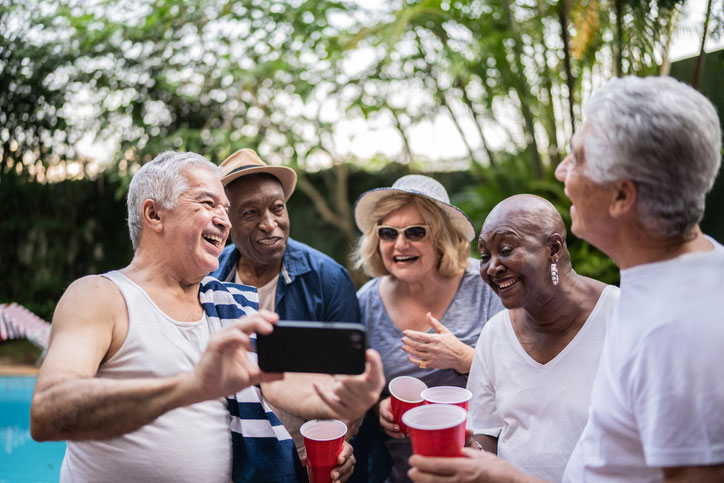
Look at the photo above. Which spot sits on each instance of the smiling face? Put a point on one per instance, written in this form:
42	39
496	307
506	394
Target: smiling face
260	220
514	262
406	260
196	229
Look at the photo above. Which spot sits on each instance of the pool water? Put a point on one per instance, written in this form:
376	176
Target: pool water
22	459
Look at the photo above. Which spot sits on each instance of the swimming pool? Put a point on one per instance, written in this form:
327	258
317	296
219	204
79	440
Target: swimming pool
22	459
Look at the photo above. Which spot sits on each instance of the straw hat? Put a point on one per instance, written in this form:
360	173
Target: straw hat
418	185
246	161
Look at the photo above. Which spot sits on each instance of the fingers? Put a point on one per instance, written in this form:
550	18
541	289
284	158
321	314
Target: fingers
435	324
412	345
268	315
345	464
332	400
387	420
230	339
469	437
373	370
437	466
418	337
261	322
471	453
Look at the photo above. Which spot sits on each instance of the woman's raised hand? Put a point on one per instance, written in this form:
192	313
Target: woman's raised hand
441	350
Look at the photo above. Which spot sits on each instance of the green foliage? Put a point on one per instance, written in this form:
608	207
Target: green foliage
51	234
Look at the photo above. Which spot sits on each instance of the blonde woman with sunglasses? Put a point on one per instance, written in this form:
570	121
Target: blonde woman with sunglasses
426	306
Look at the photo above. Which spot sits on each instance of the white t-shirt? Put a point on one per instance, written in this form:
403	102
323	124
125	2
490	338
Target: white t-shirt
537	411
267	292
658	397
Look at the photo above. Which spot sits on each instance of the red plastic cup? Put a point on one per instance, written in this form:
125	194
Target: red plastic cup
323	440
436	429
457	396
405	394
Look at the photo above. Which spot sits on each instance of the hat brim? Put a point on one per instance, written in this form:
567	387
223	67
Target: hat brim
286	176
368	200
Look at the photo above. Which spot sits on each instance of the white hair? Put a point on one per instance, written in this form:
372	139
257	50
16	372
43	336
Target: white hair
664	136
162	180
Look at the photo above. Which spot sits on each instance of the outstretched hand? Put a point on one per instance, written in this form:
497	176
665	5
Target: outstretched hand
441	350
225	368
474	466
351	396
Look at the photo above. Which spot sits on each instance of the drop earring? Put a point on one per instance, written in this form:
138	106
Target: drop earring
554	273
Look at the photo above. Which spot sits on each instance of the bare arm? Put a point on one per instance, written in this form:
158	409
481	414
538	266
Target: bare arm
295	394
698	474
350	397
70	403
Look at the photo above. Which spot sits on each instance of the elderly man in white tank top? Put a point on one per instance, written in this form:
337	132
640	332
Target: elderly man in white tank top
136	373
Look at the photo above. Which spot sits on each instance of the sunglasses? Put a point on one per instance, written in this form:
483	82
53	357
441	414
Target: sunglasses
412	232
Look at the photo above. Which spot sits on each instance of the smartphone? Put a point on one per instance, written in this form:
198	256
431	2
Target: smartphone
321	347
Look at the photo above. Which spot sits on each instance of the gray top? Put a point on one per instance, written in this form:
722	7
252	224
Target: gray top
473	305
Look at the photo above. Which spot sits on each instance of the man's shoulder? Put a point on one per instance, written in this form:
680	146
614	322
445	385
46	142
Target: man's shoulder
95	296
92	287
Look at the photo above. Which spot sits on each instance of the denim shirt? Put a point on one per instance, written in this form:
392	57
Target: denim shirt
312	286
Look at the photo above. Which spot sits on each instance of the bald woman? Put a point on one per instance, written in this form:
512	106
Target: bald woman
535	362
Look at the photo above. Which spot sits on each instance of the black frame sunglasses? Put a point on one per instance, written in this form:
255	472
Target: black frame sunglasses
412	233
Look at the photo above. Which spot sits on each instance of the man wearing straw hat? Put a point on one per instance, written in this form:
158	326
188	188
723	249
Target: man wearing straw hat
637	176
293	279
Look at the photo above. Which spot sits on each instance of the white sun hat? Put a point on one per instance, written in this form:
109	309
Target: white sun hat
419	185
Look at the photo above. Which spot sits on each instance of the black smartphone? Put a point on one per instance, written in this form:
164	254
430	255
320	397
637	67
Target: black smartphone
321	347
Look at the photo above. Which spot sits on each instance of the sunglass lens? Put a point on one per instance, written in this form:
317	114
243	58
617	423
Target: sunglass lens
415	233
387	234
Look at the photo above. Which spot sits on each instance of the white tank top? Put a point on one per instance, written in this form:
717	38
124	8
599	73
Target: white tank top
189	444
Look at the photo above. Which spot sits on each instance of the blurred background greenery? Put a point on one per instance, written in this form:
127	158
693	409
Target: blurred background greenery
90	90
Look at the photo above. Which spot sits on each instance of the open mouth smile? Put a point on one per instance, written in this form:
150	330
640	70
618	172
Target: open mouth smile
215	240
404	259
507	283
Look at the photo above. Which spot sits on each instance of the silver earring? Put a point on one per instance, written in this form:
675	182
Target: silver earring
554	273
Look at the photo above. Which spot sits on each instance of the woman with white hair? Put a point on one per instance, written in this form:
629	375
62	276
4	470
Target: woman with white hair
427	305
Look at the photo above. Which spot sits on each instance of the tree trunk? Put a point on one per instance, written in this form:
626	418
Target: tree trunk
523	90
400	129
702	54
563	18
618	8
478	122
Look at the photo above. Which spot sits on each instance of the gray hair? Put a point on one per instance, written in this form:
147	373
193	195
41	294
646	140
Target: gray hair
664	136
162	180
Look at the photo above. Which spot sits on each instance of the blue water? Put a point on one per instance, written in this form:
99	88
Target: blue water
22	460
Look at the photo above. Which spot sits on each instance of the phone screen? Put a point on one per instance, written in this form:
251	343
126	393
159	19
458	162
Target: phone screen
320	347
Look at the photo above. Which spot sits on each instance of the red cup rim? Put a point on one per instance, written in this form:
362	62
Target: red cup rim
389	388
315	421
461	416
430	390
